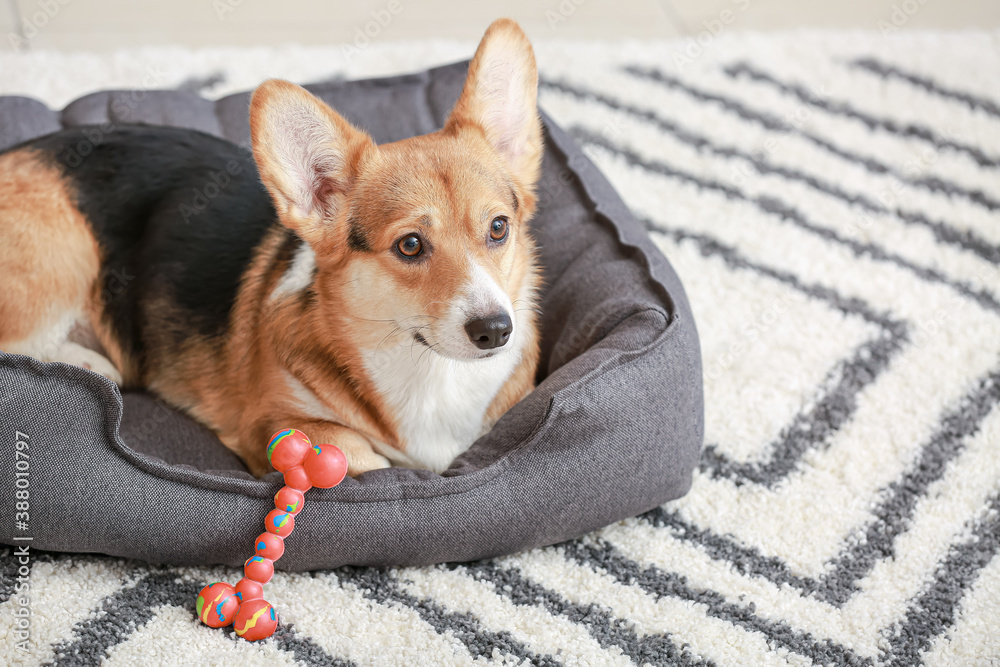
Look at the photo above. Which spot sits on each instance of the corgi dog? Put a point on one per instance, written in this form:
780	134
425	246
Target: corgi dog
380	298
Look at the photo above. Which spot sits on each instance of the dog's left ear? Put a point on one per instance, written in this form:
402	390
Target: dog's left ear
500	98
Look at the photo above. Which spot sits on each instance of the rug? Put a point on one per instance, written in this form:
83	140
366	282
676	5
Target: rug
832	203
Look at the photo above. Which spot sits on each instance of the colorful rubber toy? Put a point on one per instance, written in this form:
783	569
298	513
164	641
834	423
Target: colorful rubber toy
304	465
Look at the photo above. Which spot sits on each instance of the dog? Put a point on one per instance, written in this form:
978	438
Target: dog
379	298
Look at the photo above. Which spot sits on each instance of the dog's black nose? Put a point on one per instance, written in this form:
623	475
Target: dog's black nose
487	333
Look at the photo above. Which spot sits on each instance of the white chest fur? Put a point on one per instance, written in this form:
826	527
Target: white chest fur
439	403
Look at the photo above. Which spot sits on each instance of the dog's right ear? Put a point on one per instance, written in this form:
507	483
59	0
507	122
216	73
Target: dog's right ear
307	155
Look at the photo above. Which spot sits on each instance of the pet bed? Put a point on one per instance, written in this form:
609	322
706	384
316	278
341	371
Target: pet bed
614	427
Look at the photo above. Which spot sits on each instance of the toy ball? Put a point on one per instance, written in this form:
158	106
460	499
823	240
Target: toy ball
255	620
279	522
217	604
287	449
297	479
259	569
248	589
289	499
270	546
326	465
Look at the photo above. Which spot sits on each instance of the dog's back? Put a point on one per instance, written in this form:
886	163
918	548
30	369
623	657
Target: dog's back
168	218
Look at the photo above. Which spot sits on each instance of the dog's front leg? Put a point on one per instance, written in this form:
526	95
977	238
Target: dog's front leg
251	445
361	456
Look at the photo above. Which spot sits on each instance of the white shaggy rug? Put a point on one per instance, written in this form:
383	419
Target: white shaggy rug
832	203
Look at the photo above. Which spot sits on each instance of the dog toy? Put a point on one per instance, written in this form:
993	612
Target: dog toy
304	466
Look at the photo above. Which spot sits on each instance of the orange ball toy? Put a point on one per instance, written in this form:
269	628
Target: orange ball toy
259	569
287	449
288	499
270	546
248	589
326	466
217	604
255	620
279	522
304	466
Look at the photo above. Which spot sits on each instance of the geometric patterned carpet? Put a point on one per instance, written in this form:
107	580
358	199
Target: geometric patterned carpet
832	204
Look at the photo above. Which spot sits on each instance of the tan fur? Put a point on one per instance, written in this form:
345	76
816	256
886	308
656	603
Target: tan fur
49	260
446	184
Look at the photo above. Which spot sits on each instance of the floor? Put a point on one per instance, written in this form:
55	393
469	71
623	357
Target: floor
104	25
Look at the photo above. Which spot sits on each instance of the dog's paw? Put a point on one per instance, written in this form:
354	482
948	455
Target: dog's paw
77	355
359	461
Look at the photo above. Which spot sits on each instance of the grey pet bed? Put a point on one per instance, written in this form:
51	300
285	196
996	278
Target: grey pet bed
614	427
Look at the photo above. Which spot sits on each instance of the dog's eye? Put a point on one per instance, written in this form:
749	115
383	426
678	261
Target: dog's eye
498	228
410	246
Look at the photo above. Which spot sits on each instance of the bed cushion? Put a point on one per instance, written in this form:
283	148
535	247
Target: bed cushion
614	427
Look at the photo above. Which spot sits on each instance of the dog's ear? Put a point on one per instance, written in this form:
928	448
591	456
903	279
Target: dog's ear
500	98
307	155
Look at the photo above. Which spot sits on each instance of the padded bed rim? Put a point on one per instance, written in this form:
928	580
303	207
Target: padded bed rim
268	485
424	488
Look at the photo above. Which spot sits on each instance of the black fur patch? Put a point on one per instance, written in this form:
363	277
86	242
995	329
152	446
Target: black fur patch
286	252
178	215
356	239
